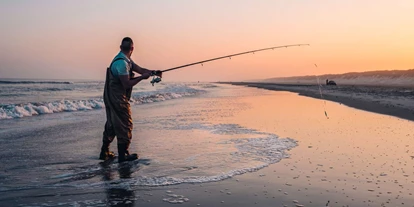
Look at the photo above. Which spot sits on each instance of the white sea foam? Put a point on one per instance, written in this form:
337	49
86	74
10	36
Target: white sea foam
222	129
268	150
31	109
257	152
264	150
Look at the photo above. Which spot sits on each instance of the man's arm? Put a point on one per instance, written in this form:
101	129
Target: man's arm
122	68
139	69
128	83
142	70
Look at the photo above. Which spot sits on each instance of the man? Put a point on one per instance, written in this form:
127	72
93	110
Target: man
117	93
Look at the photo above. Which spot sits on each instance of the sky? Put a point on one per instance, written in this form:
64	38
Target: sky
49	39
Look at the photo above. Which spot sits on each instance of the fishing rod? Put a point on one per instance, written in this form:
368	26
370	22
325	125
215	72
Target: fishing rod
158	79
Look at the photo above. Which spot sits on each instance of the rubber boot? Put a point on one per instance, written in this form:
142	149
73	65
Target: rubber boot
105	153
123	154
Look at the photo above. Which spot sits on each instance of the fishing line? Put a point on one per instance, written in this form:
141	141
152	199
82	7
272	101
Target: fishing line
157	79
320	92
229	56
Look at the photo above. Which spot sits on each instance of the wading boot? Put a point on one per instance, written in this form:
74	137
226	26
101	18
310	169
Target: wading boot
105	153
123	154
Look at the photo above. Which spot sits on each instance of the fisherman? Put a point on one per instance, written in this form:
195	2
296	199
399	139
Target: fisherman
117	93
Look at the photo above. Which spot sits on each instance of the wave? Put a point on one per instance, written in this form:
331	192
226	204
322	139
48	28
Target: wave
35	82
10	111
55	89
203	85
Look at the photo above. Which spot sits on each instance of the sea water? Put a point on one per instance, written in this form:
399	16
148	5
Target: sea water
51	132
22	98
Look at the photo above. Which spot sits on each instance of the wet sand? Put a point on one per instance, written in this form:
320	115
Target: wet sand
394	101
354	158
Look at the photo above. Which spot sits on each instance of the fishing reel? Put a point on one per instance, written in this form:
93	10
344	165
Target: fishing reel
155	77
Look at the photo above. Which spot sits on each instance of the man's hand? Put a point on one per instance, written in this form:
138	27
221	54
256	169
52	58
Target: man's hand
157	73
141	70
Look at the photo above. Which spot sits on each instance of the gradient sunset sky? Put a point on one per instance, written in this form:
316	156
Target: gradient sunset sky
49	39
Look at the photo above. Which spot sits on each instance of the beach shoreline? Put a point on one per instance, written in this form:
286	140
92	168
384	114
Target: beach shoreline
354	158
382	100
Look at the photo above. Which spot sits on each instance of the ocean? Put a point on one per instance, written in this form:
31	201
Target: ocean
51	131
202	144
22	98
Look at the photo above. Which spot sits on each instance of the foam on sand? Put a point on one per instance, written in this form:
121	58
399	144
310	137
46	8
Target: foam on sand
267	150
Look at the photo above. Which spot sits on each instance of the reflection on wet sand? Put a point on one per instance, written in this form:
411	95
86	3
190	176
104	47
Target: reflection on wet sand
118	196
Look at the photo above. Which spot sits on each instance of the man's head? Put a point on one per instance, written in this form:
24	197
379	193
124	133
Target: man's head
127	46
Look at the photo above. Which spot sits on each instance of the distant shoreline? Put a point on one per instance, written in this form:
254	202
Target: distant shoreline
379	78
316	84
383	100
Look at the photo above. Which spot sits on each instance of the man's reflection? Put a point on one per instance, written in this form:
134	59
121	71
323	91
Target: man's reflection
117	196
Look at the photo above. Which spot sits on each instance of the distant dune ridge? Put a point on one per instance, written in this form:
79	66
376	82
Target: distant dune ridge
403	78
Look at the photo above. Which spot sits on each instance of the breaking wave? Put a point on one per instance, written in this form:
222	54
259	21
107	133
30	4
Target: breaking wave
10	111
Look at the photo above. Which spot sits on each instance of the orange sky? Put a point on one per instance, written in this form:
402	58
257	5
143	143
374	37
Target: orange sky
77	40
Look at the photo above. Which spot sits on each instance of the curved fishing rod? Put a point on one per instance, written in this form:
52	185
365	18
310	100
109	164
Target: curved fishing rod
228	56
158	79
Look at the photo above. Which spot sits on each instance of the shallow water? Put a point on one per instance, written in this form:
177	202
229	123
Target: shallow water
179	142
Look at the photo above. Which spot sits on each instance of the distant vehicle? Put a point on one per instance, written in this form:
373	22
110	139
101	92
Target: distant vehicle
330	82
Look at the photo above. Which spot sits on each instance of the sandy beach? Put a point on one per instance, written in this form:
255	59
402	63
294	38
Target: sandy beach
354	158
207	103
394	101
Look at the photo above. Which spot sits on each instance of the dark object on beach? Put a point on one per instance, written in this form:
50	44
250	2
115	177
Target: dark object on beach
330	82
